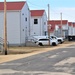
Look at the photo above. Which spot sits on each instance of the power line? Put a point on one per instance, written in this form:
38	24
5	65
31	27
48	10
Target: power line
52	10
35	5
68	15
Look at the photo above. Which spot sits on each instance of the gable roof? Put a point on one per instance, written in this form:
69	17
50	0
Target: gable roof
73	24
58	22
37	12
53	23
70	23
12	5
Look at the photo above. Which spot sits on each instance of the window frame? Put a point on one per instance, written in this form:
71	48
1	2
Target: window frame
35	21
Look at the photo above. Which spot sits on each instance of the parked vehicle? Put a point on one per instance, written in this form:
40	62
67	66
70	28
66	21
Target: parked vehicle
44	40
60	39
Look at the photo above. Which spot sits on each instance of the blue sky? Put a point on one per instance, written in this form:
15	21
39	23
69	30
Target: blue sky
53	3
67	7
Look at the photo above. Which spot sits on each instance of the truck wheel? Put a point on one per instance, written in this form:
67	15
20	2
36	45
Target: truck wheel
40	44
60	41
53	44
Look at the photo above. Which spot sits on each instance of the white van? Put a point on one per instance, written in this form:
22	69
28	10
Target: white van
44	40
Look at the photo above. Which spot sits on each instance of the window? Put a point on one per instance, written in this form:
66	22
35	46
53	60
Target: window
28	8
53	37
22	13
44	23
45	33
23	29
43	39
35	21
25	19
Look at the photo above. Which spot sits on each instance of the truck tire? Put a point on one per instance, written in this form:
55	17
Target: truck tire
60	41
40	44
53	44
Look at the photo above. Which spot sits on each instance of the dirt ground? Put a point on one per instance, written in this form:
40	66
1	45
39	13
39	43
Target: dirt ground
21	52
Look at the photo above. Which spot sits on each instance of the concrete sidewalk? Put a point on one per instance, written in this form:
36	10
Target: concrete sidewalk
6	58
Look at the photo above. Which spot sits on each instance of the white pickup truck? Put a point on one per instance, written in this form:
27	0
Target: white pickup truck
44	40
60	39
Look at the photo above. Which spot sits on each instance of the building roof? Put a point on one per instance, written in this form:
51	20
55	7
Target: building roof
73	24
70	23
58	22
37	12
12	5
53	23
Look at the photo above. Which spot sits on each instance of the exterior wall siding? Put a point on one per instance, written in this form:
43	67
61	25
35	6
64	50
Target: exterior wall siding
44	19
1	23
71	35
70	32
35	28
13	26
65	31
73	31
40	28
25	24
65	27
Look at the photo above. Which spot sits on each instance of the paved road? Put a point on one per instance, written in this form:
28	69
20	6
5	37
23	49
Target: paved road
57	62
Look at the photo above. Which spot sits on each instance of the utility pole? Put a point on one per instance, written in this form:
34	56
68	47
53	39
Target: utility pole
48	23
5	29
61	25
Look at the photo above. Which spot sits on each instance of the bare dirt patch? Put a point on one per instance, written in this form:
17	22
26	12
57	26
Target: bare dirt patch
26	50
21	52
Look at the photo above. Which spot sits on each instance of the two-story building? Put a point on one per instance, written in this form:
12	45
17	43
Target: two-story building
59	27
38	23
18	22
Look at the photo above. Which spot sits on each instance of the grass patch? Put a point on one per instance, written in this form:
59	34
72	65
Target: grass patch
25	50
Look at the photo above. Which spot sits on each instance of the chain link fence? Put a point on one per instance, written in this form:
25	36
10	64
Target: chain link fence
1	45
